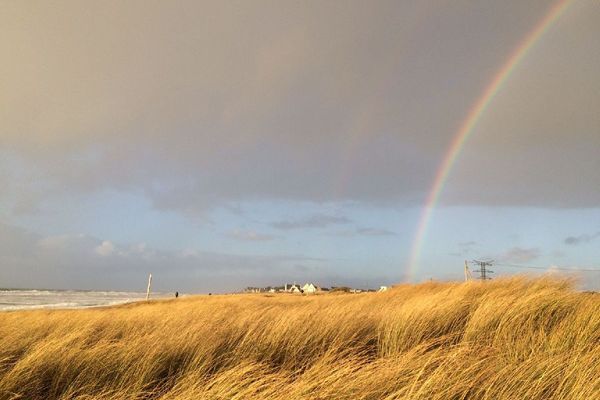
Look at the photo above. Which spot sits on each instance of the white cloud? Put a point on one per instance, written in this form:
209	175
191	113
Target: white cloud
106	248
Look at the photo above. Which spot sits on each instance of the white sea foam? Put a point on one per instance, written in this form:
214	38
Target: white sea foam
11	299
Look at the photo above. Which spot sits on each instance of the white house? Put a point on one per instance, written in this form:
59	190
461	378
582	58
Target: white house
294	289
383	289
309	288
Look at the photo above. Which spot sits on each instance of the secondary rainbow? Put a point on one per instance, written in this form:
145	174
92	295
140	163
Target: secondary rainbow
468	125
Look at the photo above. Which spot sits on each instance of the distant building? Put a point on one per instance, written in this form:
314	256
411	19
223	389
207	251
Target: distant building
310	288
294	289
382	288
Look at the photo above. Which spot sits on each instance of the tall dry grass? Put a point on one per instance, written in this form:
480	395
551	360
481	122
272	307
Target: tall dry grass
507	339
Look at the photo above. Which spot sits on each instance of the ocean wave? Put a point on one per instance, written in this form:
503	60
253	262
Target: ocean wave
11	300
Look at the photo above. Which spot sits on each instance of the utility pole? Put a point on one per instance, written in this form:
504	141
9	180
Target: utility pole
149	287
468	276
483	271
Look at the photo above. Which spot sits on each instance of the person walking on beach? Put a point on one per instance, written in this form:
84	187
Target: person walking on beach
176	294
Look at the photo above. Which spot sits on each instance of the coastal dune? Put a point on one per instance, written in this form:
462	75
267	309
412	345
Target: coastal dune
515	338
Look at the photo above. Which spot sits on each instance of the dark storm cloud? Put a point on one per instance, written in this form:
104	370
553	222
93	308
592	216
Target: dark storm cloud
537	144
199	104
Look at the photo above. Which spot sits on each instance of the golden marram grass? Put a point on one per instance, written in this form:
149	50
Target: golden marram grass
508	339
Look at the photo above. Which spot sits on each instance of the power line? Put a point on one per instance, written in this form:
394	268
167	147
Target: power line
551	268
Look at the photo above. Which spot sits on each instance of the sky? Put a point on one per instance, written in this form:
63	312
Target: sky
225	144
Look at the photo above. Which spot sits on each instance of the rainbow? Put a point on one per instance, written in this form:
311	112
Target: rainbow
468	126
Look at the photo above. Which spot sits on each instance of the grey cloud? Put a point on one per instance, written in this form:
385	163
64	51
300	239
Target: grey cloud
313	221
251	236
374	232
558	254
520	255
365	232
200	105
85	262
585	238
537	143
302	268
465	248
16	242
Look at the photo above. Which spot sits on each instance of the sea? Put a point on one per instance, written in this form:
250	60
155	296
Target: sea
31	299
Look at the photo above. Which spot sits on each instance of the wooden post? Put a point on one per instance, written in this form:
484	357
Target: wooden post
468	275
149	286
